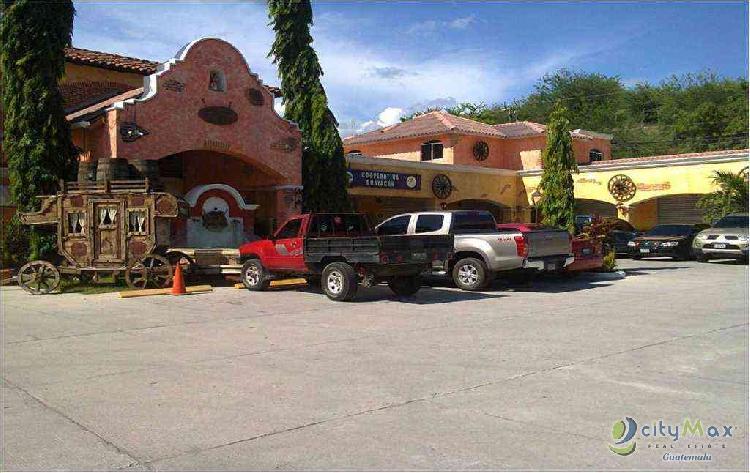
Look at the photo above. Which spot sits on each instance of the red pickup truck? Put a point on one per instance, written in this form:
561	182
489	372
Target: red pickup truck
339	252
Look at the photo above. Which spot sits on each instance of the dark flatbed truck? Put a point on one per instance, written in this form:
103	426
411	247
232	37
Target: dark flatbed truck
339	252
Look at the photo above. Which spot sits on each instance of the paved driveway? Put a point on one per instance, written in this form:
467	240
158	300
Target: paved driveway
525	376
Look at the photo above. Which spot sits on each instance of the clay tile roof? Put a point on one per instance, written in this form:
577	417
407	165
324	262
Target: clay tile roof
88	112
520	129
81	94
431	123
615	162
120	63
111	61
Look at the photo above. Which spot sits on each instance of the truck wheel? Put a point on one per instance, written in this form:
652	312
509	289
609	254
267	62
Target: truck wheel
339	281
254	277
470	274
405	285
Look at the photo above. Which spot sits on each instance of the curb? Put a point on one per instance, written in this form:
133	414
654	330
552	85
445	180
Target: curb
613	276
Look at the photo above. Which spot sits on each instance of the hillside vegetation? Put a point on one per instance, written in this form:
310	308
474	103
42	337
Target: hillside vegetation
682	114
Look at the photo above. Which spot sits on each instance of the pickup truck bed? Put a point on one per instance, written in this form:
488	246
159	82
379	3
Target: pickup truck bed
481	247
340	252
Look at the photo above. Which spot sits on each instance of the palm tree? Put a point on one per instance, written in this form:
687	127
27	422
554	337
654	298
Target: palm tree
730	197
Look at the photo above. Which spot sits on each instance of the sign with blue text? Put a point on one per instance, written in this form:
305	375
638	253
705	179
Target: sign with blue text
384	179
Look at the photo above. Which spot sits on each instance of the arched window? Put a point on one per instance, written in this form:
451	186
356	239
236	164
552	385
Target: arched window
432	150
355	152
595	155
217	82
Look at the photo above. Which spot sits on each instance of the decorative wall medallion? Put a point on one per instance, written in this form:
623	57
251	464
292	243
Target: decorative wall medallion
218	115
285	144
166	206
621	187
174	85
442	186
255	96
481	150
130	132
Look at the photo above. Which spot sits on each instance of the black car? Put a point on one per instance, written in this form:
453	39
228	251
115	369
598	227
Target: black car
665	240
619	240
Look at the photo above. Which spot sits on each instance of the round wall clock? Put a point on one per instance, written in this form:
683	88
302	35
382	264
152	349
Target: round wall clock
621	187
442	186
481	150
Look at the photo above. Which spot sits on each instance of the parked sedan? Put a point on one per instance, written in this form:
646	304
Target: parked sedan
665	240
619	241
727	238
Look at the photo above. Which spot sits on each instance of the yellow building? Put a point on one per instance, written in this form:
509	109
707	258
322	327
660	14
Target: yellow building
440	162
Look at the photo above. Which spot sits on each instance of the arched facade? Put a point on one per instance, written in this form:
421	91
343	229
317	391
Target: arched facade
205	127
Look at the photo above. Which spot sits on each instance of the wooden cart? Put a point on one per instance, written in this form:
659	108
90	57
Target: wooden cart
105	227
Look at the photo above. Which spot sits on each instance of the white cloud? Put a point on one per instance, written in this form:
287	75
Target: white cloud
462	23
366	83
389	116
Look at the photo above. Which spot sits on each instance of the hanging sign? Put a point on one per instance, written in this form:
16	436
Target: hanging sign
384	180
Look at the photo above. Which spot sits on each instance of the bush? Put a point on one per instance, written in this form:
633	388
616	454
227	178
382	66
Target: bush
20	244
14	244
609	263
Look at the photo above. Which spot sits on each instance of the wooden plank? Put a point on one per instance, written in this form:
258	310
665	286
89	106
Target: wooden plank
165	291
288	282
278	283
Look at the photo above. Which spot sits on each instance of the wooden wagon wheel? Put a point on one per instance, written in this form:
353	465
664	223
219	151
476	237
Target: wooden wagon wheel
149	271
39	277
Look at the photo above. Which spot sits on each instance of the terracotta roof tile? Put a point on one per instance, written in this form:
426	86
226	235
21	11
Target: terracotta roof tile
120	63
85	113
81	94
615	162
520	129
111	61
430	123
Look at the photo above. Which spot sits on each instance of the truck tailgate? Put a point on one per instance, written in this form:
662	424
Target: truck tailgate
548	243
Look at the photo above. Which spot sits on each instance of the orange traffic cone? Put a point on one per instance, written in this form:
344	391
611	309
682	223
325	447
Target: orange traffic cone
178	283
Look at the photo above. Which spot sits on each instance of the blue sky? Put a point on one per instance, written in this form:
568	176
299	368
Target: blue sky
385	59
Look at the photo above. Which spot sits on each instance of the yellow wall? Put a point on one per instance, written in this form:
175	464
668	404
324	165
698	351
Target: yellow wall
651	182
499	186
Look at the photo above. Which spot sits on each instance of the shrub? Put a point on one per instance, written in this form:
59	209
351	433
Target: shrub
609	263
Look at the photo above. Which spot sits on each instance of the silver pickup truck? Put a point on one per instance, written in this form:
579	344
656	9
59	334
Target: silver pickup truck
481	250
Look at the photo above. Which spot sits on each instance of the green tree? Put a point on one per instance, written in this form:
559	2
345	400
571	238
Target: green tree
730	197
305	103
557	204
36	139
682	114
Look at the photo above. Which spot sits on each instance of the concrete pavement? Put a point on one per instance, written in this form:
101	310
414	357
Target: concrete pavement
522	376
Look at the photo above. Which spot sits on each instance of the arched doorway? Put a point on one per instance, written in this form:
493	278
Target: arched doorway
595	208
502	213
230	199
